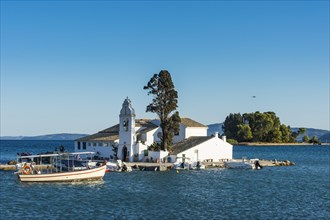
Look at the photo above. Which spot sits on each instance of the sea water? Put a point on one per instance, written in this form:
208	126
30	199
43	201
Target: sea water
295	192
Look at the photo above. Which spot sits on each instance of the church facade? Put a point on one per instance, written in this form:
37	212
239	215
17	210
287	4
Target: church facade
129	140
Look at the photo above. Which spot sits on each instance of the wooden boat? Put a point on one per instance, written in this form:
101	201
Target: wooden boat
89	174
57	171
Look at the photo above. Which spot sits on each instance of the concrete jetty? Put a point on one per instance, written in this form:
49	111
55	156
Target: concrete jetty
166	166
264	163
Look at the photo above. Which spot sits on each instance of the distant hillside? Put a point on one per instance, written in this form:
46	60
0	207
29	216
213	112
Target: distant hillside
322	135
11	137
55	137
310	132
325	138
217	127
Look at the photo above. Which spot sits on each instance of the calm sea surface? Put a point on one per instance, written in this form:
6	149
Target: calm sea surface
296	192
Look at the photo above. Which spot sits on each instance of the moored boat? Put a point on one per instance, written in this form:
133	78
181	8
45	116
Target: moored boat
243	164
188	165
118	166
57	170
197	166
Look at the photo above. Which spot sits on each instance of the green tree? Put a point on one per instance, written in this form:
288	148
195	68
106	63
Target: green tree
164	104
232	141
305	139
274	135
314	140
230	126
154	147
286	133
261	124
259	127
244	133
295	134
301	131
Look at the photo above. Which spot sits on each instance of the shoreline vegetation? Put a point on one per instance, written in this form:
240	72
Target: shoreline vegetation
267	144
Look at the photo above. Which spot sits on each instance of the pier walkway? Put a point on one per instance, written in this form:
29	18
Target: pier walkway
166	166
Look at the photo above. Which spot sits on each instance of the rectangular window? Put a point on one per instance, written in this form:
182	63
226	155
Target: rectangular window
78	145
84	145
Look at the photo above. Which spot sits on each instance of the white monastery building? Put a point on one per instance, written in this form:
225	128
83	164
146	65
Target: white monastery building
132	137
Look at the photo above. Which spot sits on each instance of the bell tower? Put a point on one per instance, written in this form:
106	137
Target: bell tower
127	135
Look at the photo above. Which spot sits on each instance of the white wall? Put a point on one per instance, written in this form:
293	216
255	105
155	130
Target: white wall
157	155
214	148
186	132
152	136
140	148
104	151
198	131
181	136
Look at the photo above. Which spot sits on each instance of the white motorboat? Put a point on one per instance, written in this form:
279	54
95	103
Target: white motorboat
118	166
112	166
181	165
188	165
243	164
57	170
197	166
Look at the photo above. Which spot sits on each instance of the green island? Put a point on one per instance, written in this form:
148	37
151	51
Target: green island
265	128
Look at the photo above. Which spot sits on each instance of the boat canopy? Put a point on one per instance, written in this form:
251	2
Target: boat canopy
56	155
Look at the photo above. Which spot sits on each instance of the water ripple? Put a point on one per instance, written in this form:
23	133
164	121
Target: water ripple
297	192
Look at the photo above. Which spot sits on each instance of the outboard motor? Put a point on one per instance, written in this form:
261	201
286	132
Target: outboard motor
257	164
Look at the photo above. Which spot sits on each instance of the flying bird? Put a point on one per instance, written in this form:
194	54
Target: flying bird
254	96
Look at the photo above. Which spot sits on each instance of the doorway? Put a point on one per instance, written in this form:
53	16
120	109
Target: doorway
124	153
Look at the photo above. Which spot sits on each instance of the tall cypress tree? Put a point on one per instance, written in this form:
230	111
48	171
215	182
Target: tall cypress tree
164	104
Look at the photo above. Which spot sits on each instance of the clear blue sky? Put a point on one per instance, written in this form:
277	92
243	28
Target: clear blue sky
68	66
